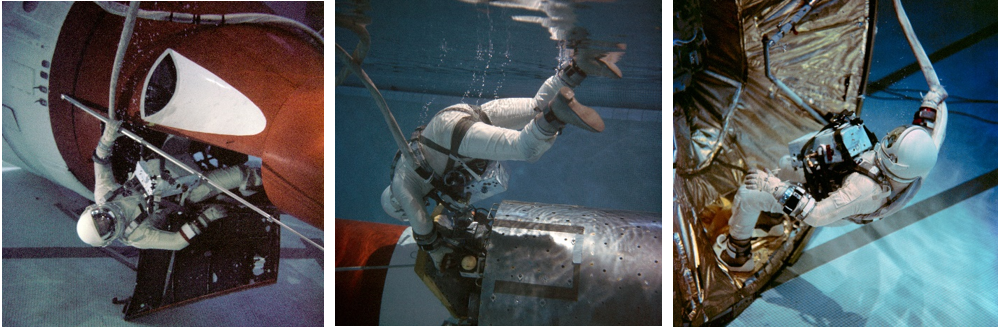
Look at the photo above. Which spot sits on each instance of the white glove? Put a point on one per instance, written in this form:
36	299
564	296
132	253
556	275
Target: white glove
763	181
111	133
789	172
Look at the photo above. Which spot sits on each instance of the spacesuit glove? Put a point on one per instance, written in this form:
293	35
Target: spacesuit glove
111	132
789	170
763	181
108	139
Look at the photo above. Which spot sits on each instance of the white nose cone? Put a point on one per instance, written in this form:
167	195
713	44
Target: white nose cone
179	93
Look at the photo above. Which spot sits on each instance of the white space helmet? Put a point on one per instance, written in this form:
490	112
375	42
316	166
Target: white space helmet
99	225
392	206
907	153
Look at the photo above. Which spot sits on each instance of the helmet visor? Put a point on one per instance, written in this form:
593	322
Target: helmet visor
891	138
104	221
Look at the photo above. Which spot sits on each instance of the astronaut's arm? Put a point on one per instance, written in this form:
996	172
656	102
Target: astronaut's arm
859	195
934	115
104	180
146	237
104	177
826	213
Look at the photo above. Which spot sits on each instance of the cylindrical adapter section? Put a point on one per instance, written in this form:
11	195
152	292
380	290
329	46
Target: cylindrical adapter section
569	265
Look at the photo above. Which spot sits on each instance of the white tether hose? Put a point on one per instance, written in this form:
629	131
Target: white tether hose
214	19
936	93
123	45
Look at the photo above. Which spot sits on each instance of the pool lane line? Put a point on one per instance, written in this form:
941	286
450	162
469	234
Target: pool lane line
91	252
855	239
944	52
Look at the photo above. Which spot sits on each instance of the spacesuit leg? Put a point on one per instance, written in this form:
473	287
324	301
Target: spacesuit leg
229	178
496	143
409	190
747	205
515	113
734	248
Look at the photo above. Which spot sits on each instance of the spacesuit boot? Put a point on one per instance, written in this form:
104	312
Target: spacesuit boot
438	255
435	245
590	62
564	109
252	181
733	253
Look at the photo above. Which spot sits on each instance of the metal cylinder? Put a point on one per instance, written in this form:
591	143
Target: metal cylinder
569	265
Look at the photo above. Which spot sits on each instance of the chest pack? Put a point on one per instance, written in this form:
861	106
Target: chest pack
150	183
829	155
464	180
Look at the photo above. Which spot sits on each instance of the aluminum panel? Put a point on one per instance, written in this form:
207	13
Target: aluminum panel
569	265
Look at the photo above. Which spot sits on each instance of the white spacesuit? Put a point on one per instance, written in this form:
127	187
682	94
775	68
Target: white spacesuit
127	212
882	181
503	129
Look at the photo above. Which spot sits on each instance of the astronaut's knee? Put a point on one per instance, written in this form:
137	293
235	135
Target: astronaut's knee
756	199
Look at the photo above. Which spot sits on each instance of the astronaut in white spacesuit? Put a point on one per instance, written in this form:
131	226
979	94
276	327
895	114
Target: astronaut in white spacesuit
503	129
130	213
875	182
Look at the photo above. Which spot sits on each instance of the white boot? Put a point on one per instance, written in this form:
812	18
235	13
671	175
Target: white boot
564	109
735	255
438	255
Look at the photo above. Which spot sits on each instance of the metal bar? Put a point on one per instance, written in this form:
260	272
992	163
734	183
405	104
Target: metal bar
394	127
356	268
170	274
792	95
189	169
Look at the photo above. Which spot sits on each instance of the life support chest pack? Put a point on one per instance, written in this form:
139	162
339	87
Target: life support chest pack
829	155
834	152
152	182
464	180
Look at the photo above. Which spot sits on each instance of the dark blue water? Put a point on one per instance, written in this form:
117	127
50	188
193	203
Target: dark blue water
427	56
942	270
